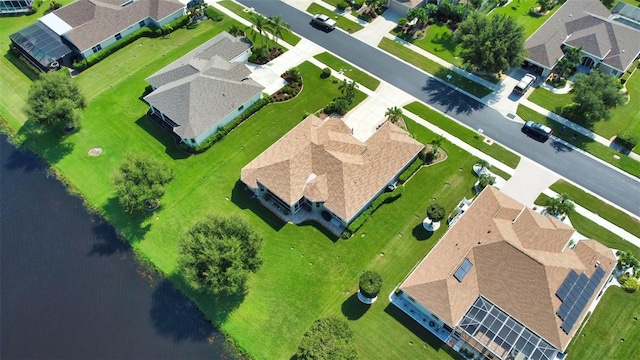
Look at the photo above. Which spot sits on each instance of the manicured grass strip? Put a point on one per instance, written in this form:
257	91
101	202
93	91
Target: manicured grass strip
587	144
594	231
520	10
342	22
613	320
469	136
549	100
434	68
288	36
597	206
350	71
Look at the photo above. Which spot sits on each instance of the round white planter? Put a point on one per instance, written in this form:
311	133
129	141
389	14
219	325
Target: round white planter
430	225
365	299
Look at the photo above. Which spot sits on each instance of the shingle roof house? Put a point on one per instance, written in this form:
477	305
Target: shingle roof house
320	164
504	261
606	43
205	89
92	25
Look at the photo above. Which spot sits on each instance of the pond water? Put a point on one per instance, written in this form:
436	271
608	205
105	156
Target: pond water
70	289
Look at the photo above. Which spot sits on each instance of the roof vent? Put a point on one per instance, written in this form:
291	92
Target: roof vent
126	3
597	263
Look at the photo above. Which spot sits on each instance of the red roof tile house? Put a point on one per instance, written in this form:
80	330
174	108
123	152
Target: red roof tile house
319	166
503	282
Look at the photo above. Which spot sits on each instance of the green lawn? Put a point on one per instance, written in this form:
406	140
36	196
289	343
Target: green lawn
15	77
341	21
467	135
625	117
439	41
288	36
595	205
306	274
433	68
351	72
519	9
612	332
587	144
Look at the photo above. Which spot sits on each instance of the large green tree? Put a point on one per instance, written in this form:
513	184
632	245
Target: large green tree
218	253
328	338
594	95
55	99
491	43
140	182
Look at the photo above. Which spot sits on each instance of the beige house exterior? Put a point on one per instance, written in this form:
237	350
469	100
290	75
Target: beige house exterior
319	166
504	283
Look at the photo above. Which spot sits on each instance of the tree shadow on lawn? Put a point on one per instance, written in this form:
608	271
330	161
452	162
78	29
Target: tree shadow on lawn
245	199
445	40
420	331
353	308
175	316
52	143
106	239
447	96
420	233
164	136
129	226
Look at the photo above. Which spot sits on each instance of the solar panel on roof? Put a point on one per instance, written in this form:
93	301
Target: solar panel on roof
575	292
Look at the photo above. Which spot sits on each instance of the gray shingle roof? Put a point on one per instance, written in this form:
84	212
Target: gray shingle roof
197	97
94	21
584	23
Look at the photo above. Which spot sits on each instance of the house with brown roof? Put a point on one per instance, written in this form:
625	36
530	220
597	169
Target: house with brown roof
608	42
89	26
205	89
504	282
319	166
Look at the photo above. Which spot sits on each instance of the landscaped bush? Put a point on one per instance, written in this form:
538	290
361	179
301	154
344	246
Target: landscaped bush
628	283
627	139
341	5
224	130
35	6
83	64
370	284
326	72
415	166
212	14
364	216
339	105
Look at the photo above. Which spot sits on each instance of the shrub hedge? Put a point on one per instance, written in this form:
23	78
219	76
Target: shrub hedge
146	31
627	139
224	130
384	198
417	163
212	14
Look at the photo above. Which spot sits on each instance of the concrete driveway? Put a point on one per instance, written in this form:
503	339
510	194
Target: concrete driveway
529	180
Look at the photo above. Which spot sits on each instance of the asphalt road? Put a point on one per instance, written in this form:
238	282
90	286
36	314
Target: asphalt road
609	183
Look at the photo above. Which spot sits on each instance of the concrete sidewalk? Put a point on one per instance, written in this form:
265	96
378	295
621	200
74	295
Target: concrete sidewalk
370	113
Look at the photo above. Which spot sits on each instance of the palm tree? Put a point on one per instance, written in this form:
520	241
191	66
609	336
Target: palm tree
277	26
348	89
559	205
260	23
420	14
564	67
573	55
393	114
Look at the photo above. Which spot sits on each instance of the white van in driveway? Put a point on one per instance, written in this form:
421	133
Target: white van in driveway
524	84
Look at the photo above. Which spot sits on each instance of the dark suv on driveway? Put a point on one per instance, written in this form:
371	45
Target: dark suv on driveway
537	131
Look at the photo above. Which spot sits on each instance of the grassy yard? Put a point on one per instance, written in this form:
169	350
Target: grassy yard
350	71
439	41
595	205
288	36
306	274
624	117
341	21
587	144
467	135
433	68
612	332
519	9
